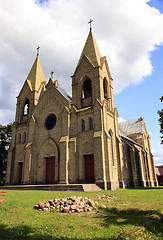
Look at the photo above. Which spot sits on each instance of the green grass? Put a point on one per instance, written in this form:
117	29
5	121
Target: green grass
135	214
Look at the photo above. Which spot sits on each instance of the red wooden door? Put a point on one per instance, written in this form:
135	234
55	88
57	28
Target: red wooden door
50	170
89	168
20	172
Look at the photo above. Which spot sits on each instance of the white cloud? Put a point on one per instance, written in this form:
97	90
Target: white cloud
120	119
126	31
157	151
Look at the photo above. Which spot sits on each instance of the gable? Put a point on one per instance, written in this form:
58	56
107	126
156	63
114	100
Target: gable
25	90
85	65
52	101
105	67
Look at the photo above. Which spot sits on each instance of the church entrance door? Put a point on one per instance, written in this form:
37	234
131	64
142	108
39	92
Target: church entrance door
20	172
89	168
50	169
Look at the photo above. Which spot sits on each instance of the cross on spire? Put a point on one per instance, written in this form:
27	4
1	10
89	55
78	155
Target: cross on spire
38	50
90	23
52	74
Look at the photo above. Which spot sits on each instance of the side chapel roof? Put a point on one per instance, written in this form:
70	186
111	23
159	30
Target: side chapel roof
65	94
36	75
131	126
159	170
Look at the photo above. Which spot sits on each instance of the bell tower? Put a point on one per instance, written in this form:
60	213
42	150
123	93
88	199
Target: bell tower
30	92
92	79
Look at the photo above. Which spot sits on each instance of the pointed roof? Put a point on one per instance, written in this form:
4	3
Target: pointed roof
91	50
36	75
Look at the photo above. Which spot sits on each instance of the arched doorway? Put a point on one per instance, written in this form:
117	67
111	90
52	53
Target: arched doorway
48	162
89	168
50	169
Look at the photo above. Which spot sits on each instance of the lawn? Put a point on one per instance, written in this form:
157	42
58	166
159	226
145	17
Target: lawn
133	214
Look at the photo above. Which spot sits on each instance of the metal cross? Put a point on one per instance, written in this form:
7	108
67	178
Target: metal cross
38	50
52	74
90	23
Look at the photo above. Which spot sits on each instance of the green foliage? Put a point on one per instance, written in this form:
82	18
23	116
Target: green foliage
5	139
160	113
135	214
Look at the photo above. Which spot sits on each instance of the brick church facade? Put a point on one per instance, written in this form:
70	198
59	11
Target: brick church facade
59	138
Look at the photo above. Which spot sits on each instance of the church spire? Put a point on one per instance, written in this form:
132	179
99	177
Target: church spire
91	50
36	75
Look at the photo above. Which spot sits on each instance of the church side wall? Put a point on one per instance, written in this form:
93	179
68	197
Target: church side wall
112	166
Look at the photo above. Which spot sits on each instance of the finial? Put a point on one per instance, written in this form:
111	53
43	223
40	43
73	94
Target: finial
90	23
52	74
38	50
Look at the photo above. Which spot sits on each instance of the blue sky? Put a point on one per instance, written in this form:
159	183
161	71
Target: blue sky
144	99
128	32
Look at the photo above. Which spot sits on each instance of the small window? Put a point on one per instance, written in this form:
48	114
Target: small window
83	125
25	137
19	140
90	123
26	107
87	89
105	87
112	147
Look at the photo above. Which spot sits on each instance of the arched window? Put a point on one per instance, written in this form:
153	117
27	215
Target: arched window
90	123
87	89
19	139
25	137
26	107
105	87
112	147
83	125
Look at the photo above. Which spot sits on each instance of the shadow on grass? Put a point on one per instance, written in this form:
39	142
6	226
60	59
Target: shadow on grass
150	220
147	188
23	232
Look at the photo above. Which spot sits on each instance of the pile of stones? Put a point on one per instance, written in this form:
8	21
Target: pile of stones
104	197
68	205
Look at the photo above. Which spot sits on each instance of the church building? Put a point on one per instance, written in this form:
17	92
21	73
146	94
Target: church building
62	139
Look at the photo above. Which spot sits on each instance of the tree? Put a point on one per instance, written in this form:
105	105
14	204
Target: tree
160	113
5	139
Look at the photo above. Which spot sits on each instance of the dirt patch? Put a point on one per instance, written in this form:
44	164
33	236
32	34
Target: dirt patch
97	224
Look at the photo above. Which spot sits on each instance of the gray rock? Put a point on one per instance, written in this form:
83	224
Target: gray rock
74	207
45	209
37	206
41	205
103	207
90	203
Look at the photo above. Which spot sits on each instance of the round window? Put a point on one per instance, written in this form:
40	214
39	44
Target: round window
50	122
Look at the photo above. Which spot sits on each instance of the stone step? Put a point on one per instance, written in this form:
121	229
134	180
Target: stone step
55	187
91	188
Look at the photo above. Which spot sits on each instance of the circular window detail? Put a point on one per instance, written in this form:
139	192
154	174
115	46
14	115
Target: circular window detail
50	122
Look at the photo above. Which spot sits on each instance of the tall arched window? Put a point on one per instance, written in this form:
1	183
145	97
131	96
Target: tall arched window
19	138
87	89
26	107
83	125
105	87
90	123
25	137
112	147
